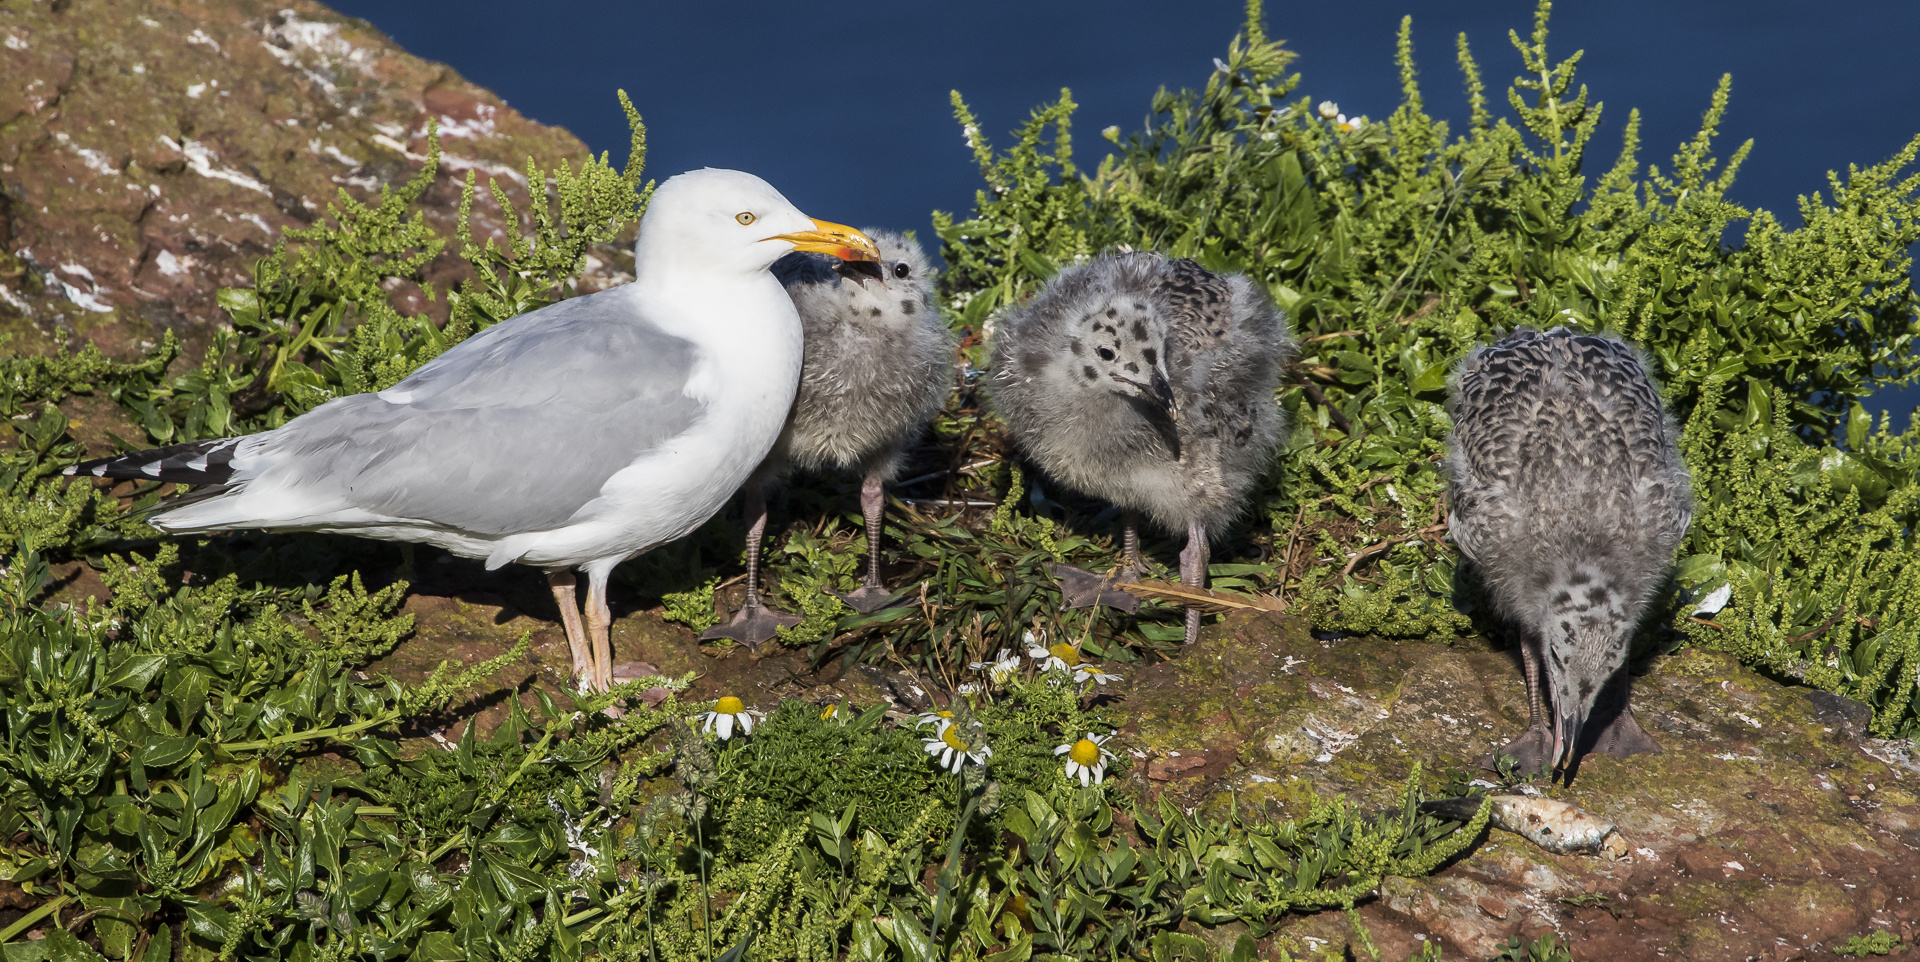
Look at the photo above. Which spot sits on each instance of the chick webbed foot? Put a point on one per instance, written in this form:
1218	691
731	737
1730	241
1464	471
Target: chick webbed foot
868	599
1624	737
752	626
1081	588
1532	752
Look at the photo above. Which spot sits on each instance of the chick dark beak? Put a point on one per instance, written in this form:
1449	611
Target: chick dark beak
1163	392
1155	389
1566	738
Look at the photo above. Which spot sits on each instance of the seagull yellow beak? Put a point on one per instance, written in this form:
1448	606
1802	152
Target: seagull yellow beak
837	239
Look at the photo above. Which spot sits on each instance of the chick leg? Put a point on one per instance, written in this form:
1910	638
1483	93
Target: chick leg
1193	572
754	623
562	583
872	595
1533	750
1130	540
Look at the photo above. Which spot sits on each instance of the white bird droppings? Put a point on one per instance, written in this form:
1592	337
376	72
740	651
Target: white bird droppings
201	161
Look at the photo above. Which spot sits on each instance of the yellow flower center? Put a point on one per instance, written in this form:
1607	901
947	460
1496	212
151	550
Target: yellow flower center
828	711
1085	752
943	713
952	739
1066	653
729	706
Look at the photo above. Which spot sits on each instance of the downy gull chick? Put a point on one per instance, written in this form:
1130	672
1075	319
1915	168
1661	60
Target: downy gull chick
1568	493
574	436
877	368
1148	382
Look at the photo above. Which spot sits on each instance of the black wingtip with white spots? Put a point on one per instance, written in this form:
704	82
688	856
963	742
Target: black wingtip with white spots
196	462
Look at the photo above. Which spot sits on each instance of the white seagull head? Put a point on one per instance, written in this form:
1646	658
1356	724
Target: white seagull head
733	222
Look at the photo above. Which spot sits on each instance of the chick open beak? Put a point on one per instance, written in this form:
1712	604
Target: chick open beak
837	239
860	272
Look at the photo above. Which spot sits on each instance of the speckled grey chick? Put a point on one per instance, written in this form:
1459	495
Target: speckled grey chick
1568	493
1148	382
877	367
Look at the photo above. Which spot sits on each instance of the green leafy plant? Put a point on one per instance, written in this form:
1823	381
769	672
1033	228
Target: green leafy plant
1546	948
1396	245
1879	942
211	763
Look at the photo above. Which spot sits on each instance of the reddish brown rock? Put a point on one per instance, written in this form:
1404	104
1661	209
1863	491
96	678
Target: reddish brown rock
1743	840
1167	769
150	153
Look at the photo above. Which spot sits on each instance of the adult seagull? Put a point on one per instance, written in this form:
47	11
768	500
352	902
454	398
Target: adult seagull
571	437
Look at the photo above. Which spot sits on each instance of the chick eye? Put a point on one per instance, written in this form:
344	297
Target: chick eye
901	270
1106	353
745	217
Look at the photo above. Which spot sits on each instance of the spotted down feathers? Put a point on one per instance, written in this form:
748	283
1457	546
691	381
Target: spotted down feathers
878	361
1568	492
1066	368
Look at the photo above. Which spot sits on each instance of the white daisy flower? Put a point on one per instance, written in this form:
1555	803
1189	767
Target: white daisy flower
726	713
1062	656
951	748
1089	673
1087	759
968	688
1329	109
1067	658
938	719
1002	668
1350	123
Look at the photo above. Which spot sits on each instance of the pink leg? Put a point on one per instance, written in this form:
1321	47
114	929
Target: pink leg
562	583
600	630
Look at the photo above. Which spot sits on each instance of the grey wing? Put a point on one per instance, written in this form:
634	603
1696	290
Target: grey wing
1495	386
1466	504
512	430
1648	438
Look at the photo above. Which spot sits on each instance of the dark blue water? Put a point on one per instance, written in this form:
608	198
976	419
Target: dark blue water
844	107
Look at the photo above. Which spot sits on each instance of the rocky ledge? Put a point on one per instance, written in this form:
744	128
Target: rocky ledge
1769	828
150	153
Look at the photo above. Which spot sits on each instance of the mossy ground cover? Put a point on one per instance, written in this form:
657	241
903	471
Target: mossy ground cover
198	764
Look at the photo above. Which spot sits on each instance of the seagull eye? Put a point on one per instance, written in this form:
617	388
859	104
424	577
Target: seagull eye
745	218
901	270
1106	353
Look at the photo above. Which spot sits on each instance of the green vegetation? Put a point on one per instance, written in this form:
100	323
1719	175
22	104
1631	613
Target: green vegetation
1879	942
1546	948
1396	246
196	767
